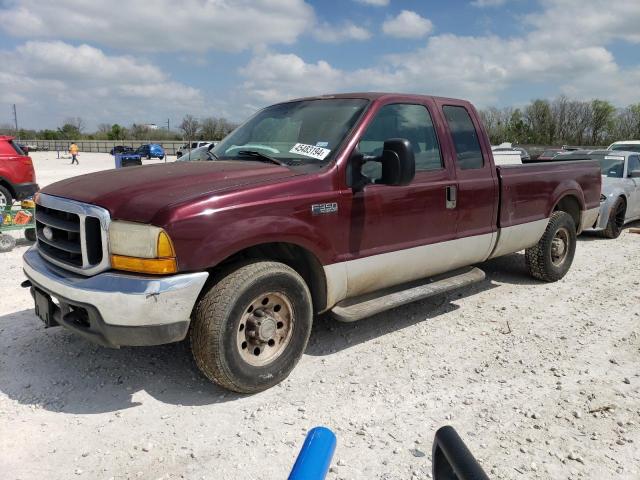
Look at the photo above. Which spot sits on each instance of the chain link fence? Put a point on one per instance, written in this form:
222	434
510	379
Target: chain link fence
98	146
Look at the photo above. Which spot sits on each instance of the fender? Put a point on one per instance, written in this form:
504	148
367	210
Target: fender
226	237
565	189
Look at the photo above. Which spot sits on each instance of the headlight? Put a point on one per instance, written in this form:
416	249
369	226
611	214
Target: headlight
603	198
137	247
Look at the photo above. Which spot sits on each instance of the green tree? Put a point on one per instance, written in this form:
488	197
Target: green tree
601	120
117	132
69	131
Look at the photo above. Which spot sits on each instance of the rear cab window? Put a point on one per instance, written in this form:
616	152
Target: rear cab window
465	137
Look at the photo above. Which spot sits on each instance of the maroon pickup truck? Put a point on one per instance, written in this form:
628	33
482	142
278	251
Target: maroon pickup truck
351	203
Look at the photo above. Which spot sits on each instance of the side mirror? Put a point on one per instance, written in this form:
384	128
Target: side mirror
634	174
398	162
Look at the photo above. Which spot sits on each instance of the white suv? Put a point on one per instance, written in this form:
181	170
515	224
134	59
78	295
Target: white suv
188	147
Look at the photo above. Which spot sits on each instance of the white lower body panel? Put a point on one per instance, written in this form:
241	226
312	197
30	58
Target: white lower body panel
363	275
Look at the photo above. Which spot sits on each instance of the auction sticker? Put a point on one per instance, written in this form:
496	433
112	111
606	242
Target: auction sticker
310	151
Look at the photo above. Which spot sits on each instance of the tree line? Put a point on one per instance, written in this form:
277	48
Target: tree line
563	121
210	128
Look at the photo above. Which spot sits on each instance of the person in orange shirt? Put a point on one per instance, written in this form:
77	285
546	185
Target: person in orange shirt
73	150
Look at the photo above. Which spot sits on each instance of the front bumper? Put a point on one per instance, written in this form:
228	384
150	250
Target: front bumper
604	212
25	190
118	309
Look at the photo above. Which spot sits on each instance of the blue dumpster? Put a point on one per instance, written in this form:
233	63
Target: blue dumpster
127	160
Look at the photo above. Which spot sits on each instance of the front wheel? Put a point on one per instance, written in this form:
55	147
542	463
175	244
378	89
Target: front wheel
616	220
251	328
6	200
550	259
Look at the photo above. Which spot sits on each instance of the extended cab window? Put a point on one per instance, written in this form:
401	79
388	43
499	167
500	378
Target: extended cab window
408	121
465	137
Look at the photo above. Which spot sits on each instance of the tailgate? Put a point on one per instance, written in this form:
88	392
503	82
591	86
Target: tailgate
529	192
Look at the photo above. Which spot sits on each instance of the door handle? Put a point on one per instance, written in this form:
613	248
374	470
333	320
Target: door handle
451	196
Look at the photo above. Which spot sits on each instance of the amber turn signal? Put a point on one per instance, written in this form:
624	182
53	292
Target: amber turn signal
155	266
165	247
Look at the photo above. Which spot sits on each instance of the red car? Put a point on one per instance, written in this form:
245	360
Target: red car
17	176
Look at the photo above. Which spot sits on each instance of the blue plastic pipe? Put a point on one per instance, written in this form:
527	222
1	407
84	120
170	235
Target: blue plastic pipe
315	455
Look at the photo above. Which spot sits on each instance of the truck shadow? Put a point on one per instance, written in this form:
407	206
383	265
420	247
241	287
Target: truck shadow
330	336
61	372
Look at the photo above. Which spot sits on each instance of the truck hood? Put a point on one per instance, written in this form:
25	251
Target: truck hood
138	193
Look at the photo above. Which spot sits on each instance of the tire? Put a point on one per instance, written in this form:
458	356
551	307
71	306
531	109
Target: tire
616	220
6	199
7	242
149	157
232	333
551	258
30	234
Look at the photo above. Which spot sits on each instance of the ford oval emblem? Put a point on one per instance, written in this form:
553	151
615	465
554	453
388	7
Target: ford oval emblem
48	233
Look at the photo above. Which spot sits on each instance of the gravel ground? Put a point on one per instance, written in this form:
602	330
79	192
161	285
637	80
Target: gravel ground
540	380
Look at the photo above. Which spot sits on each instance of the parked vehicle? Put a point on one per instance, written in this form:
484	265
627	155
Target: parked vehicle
150	150
626	145
549	154
120	149
187	147
200	154
620	198
508	147
352	203
17	176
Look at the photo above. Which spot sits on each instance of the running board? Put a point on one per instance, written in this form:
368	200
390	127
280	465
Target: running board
364	306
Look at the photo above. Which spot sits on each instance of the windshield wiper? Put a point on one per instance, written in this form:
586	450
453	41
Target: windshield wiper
261	157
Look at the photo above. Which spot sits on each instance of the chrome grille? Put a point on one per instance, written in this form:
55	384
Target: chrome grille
72	235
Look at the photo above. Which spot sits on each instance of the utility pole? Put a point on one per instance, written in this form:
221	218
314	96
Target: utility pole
15	117
168	126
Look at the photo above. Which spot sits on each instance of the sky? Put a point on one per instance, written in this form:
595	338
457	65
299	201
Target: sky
146	61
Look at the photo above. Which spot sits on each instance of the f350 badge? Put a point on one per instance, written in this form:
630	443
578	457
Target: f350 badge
324	208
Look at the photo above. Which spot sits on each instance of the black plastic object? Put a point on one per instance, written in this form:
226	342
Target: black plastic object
452	460
398	162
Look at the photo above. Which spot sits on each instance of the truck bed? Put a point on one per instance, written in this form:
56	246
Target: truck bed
529	192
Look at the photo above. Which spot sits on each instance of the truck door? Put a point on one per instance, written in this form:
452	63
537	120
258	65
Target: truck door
477	195
391	225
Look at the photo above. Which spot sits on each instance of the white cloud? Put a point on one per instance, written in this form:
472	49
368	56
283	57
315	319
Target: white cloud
375	3
574	61
488	3
347	31
56	80
162	25
407	24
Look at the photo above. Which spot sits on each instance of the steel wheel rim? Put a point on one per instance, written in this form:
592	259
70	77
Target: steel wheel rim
265	329
560	246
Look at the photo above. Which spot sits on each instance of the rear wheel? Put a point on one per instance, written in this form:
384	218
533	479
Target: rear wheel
550	259
6	200
251	328
616	220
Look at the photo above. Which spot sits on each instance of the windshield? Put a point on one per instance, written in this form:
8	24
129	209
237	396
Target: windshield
550	153
611	166
626	147
294	133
